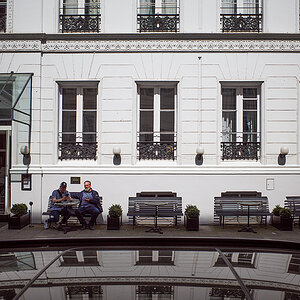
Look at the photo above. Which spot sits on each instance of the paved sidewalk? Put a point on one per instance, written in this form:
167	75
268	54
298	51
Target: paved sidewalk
211	231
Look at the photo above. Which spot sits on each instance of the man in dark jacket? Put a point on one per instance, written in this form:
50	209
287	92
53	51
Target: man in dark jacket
89	203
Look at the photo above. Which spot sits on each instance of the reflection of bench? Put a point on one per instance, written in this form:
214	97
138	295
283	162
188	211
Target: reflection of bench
47	213
231	207
293	203
142	207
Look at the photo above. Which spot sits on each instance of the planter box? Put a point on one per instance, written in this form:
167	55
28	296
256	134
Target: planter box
18	222
192	224
282	223
113	223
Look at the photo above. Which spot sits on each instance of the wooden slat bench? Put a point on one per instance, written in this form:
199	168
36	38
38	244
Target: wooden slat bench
141	207
73	215
231	207
293	203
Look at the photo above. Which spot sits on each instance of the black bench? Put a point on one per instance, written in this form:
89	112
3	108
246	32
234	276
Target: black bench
293	203
231	207
142	207
47	213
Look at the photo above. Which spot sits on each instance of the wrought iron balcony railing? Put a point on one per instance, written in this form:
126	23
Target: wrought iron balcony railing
77	150
80	23
162	20
2	23
241	22
236	147
156	150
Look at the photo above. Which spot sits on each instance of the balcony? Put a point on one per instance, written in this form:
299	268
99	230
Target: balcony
167	20
246	19
240	147
80	23
156	150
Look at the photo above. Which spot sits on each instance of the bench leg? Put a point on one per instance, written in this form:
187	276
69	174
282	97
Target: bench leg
223	221
133	222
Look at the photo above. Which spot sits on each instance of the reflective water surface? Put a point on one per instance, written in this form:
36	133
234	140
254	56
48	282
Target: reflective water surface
90	273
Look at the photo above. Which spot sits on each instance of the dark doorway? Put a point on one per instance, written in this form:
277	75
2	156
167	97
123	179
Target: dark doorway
2	171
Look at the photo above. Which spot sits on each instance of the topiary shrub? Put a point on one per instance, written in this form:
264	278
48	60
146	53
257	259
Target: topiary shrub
191	211
115	210
19	209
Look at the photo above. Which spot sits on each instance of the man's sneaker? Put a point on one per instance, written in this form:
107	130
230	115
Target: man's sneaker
83	227
91	227
46	224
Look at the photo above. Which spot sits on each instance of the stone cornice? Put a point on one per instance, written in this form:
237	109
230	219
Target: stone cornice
179	46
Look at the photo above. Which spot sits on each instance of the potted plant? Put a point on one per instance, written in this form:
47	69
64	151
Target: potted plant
282	218
19	217
192	217
114	218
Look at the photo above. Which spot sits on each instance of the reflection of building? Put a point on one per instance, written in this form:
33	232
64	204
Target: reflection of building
156	79
116	274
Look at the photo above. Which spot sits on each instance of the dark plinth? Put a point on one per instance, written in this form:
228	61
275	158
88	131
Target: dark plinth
18	222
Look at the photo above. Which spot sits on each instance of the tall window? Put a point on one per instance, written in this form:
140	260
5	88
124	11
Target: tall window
158	15
157	132
78	122
159	257
80	258
241	15
3	15
80	16
240	123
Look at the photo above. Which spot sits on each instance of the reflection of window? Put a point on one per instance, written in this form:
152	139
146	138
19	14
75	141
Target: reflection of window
3	15
157	130
241	260
19	261
291	296
294	266
80	16
92	292
158	15
240	122
150	257
80	258
7	294
241	15
78	121
149	292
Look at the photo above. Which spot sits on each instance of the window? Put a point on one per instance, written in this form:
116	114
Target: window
160	257
240	123
149	292
158	15
79	292
294	266
80	16
241	15
157	134
2	15
16	261
78	134
241	260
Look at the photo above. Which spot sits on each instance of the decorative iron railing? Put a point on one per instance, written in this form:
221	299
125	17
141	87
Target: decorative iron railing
240	145
158	22
156	150
2	23
80	23
241	22
77	150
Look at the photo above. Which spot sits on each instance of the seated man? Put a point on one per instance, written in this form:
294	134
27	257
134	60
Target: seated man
58	196
89	203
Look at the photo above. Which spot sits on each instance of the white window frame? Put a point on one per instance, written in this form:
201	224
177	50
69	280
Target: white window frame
79	86
156	106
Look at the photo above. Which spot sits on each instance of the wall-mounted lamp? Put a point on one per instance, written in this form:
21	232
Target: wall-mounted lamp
117	155
199	155
24	150
284	151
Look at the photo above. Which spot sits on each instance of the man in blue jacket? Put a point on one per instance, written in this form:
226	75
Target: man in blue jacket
89	203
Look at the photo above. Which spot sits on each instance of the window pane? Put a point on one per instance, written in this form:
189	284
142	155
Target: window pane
250	121
167	98
146	137
69	99
167	137
146	121
249	104
91	138
167	121
69	138
228	99
169	6
250	92
228	7
90	98
147	7
69	121
228	126
70	7
147	96
89	121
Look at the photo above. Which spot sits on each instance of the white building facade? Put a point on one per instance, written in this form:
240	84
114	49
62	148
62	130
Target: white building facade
195	97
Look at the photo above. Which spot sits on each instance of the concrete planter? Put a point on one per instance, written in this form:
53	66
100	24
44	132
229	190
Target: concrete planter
18	222
282	223
192	223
